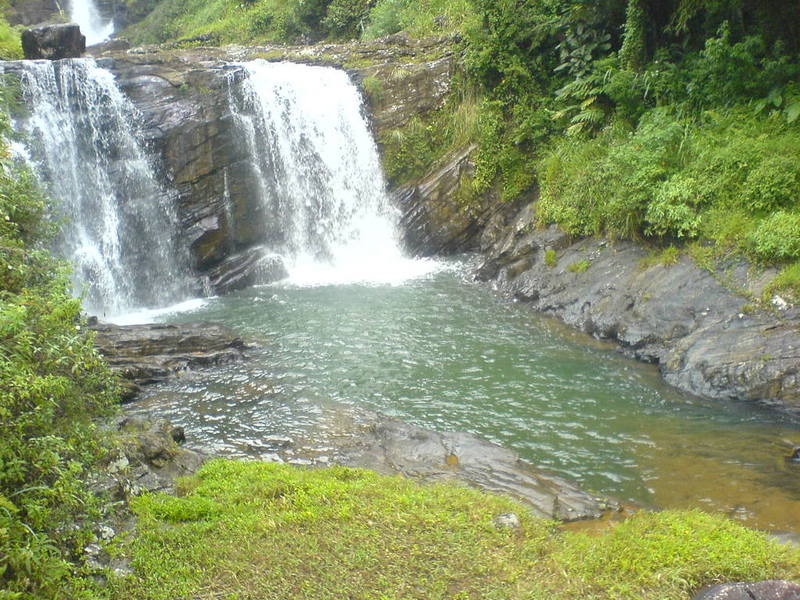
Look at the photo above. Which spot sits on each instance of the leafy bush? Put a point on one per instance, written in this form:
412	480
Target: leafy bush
777	237
52	385
10	44
677	178
419	18
347	18
387	17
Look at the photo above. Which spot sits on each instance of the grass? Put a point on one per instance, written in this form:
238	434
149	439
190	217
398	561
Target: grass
550	258
579	266
414	149
786	283
665	257
283	532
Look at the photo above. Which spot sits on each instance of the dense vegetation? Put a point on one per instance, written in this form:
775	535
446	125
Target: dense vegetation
52	386
10	43
674	121
282	532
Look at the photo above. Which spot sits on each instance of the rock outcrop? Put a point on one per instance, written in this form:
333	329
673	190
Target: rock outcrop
774	589
144	354
53	42
391	446
369	440
706	338
33	12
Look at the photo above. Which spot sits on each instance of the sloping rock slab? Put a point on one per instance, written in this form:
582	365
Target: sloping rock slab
53	42
147	354
774	589
387	445
706	339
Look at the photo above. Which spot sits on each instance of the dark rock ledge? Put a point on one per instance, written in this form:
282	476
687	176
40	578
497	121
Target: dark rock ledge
144	354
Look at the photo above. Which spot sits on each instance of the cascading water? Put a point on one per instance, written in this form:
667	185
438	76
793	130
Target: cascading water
93	25
318	175
119	226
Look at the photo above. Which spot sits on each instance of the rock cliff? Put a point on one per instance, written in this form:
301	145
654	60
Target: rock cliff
183	95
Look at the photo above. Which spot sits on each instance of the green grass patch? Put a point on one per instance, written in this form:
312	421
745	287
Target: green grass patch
550	258
579	266
416	148
786	283
666	257
284	532
250	530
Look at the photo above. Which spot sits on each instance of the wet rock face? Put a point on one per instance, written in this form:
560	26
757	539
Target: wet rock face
144	354
53	42
761	590
32	12
184	99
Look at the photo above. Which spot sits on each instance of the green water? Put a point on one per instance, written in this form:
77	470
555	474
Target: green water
449	354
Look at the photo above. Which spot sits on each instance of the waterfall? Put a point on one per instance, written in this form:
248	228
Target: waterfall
318	174
93	26
119	224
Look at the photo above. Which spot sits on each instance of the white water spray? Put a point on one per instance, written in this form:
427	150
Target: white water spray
93	25
319	175
119	224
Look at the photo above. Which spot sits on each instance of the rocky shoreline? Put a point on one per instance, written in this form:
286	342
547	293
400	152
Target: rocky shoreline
706	330
151	459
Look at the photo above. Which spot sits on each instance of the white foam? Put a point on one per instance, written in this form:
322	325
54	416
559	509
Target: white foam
152	315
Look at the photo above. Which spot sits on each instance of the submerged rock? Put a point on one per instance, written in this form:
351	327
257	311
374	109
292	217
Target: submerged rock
374	441
53	42
775	589
146	354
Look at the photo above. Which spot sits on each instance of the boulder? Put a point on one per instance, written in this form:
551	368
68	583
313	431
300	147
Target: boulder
53	42
774	589
251	267
145	354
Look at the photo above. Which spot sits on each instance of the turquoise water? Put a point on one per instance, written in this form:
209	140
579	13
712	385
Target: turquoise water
446	353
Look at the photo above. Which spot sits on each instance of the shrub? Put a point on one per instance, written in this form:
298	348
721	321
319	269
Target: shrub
53	385
347	18
772	184
10	44
777	237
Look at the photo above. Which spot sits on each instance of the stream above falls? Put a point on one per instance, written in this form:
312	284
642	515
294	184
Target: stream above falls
448	354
